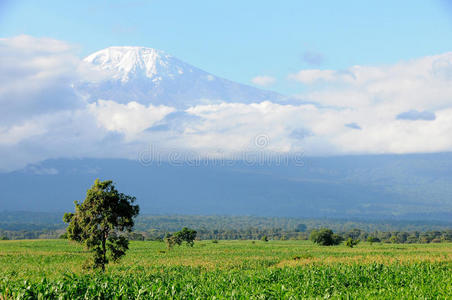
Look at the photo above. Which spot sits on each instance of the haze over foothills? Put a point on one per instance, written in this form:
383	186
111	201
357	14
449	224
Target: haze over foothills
117	80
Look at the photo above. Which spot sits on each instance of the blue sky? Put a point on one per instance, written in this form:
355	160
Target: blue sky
239	40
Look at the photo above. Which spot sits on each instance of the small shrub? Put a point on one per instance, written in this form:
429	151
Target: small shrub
351	242
393	239
264	238
373	239
172	240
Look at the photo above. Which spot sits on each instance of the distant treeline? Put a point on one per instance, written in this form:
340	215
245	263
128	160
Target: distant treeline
31	225
30	234
240	223
26	225
279	234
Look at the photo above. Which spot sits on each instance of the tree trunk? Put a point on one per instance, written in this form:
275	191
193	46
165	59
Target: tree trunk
104	251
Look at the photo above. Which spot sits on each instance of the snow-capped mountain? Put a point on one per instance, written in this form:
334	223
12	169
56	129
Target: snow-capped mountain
148	75
135	63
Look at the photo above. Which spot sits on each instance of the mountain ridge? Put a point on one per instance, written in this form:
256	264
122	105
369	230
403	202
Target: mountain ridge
334	187
151	76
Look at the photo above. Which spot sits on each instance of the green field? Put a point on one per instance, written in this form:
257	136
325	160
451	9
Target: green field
229	269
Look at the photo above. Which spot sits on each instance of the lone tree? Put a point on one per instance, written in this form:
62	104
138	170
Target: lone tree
325	237
352	242
185	235
102	221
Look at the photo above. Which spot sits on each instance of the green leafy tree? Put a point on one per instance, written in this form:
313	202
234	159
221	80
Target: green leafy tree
351	242
185	235
264	238
325	237
102	221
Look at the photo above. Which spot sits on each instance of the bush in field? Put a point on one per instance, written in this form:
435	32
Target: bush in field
352	242
185	235
393	239
325	237
172	240
264	238
372	239
101	222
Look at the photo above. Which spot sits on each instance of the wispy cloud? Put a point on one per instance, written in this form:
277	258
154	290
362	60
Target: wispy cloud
263	80
315	75
313	58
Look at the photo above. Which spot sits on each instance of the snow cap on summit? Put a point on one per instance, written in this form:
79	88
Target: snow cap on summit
125	63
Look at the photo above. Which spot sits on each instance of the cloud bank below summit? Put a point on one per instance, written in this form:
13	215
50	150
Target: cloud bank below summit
401	108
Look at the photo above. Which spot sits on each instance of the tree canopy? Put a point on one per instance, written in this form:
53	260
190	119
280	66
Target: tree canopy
185	235
101	222
325	237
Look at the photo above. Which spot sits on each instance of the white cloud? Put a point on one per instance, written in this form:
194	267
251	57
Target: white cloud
33	46
131	118
233	126
381	100
41	115
310	76
263	80
400	108
315	75
35	76
16	133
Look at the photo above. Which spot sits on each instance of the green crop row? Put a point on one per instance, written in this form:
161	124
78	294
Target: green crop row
417	280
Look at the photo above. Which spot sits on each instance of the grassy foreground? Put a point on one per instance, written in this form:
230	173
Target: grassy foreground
230	269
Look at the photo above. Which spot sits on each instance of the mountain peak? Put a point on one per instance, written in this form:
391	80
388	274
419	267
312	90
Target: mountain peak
147	75
126	63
